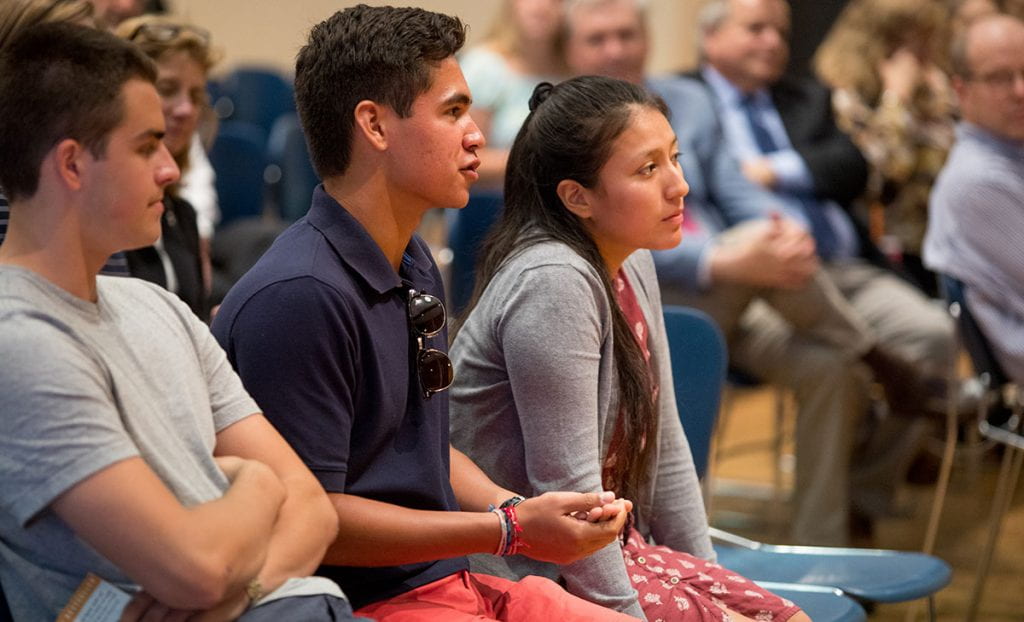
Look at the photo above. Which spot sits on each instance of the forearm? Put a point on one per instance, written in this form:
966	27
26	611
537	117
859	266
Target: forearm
237	528
730	263
474	490
306	525
373	533
187	558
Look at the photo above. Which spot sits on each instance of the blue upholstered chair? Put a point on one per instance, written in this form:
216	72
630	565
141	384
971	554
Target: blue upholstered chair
239	158
256	95
296	178
696	344
468	227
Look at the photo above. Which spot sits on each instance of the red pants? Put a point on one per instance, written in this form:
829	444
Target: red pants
465	596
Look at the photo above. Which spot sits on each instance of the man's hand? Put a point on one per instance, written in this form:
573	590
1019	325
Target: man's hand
144	608
552	531
771	253
759	171
230	609
234	467
901	73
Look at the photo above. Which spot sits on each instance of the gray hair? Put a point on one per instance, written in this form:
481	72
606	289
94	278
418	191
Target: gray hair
959	65
568	6
710	18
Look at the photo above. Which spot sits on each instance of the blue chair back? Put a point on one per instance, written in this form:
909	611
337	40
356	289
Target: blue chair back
287	150
974	340
699	361
464	237
256	95
239	158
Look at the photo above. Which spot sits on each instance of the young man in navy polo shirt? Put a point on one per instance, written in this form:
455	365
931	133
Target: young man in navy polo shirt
339	333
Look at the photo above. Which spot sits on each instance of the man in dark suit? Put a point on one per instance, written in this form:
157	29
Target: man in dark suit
782	132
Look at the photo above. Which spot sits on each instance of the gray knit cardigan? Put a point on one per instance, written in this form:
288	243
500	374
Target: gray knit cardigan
534	405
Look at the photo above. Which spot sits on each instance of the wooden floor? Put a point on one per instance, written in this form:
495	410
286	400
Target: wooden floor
961	535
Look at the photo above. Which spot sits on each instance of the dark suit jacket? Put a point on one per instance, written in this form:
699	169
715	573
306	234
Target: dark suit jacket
839	170
837	167
181	242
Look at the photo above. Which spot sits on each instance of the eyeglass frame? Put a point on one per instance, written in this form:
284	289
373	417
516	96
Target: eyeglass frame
1002	79
421	335
175	31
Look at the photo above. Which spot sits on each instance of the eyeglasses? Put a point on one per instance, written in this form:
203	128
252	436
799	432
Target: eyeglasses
1002	79
426	318
165	33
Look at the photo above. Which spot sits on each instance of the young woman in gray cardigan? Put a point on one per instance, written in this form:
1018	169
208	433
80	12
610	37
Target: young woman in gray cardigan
563	379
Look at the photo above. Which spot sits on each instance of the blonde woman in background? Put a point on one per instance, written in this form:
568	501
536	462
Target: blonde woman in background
522	49
892	97
17	15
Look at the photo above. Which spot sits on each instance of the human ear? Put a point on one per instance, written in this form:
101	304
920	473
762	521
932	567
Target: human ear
574	197
368	122
68	160
959	86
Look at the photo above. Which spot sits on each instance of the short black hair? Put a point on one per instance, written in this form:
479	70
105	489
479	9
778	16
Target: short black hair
60	81
383	54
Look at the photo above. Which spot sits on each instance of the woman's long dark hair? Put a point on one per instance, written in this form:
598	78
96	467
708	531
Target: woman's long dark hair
569	135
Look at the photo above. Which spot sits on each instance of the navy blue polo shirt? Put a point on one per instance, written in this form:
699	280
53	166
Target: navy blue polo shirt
318	331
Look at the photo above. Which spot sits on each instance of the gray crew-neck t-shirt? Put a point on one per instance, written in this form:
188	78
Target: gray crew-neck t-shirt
83	386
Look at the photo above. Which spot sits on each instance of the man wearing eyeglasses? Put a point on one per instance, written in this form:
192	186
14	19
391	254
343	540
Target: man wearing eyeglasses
340	333
976	217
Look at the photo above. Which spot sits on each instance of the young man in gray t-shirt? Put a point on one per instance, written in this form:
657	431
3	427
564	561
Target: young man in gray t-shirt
128	447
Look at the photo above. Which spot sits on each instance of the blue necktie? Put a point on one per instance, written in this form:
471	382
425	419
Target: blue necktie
821	228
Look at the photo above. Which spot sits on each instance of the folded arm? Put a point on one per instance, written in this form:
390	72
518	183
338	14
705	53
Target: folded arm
306	523
186	557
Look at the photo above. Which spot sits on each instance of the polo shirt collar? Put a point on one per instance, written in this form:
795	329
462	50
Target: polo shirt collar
354	246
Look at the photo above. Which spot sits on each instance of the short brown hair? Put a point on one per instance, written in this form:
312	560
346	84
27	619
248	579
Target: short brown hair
382	54
60	81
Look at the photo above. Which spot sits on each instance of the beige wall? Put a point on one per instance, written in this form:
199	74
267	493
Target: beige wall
271	31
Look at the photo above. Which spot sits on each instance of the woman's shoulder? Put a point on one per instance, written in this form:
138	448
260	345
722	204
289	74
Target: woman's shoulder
548	256
541	272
